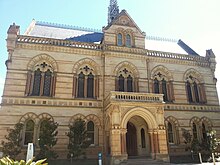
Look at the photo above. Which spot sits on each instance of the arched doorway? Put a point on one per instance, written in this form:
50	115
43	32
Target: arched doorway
137	137
131	139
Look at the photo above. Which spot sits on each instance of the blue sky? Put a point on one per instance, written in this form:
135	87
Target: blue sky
196	22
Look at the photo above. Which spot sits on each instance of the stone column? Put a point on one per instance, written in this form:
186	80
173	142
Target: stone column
123	142
151	137
162	144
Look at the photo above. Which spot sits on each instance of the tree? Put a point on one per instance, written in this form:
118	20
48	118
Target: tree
47	139
13	145
78	140
212	141
187	138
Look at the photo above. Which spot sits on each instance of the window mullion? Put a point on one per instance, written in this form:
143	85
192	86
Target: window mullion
85	86
42	83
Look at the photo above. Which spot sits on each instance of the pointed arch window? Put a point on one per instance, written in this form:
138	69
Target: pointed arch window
204	132
143	142
29	132
170	133
195	91
41	81
129	84
128	40
119	39
91	132
121	83
195	131
156	86
81	81
164	90
90	86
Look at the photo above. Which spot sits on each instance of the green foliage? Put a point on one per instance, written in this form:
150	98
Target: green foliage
187	138
12	147
8	161
213	141
78	141
47	139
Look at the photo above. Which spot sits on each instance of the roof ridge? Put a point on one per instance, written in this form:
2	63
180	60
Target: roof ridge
42	23
156	38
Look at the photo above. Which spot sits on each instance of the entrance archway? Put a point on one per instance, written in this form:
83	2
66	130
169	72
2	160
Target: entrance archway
131	139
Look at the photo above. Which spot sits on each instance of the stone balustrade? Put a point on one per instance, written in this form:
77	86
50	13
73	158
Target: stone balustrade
134	97
151	53
58	42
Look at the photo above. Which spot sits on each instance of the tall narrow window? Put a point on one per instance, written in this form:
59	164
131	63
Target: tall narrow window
90	86
143	142
121	83
29	132
196	92
37	83
129	84
189	92
170	133
194	131
164	90
128	40
90	132
47	83
156	86
119	42
204	132
81	80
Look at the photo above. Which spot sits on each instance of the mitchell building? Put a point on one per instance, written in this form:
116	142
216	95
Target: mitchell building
135	99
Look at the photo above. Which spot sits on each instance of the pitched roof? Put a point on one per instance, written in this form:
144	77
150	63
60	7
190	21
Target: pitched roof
79	34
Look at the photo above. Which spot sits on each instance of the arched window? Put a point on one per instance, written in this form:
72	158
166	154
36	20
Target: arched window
90	85
41	81
196	92
121	83
164	90
170	132
189	92
143	142
47	83
130	83
81	80
194	129
37	82
156	86
128	40
91	132
119	39
29	132
204	132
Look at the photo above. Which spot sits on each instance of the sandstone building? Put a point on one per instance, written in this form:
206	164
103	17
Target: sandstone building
135	100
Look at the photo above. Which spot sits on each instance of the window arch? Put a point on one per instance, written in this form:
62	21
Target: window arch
91	132
172	130
195	90
29	132
128	40
85	83
161	85
195	130
204	131
119	39
41	80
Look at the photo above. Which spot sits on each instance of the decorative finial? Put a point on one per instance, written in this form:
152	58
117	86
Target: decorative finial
113	10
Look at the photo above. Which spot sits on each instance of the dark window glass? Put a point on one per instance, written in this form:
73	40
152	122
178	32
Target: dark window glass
170	133
156	86
128	40
164	90
119	39
90	86
204	133
189	92
196	92
81	80
37	83
90	131
194	131
143	143
47	83
130	84
29	132
121	83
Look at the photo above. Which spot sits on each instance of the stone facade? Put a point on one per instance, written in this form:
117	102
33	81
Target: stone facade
139	100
